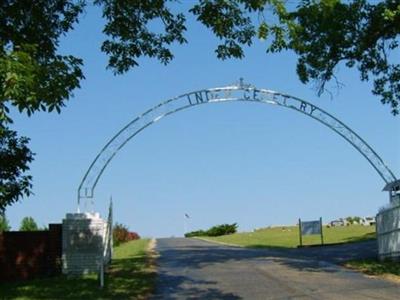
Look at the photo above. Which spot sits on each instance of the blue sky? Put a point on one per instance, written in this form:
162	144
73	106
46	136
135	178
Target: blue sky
256	165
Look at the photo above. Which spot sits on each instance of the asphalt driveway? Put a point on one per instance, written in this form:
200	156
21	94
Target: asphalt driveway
194	269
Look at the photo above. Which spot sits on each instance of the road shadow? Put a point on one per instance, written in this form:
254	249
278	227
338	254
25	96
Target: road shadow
196	269
315	259
182	287
364	237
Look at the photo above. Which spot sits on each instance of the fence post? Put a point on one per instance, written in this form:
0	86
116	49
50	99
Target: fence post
301	238
322	234
101	273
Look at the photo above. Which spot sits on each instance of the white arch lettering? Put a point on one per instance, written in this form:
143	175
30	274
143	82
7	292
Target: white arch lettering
240	92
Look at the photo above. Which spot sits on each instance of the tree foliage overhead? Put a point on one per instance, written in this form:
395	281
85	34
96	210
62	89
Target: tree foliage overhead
324	35
129	36
33	75
356	33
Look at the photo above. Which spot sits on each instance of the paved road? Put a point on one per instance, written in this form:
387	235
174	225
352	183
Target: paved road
194	269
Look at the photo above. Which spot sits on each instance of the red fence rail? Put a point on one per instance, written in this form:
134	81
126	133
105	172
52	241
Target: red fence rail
30	254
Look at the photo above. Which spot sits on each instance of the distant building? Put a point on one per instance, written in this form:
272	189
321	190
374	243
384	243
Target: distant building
338	222
368	221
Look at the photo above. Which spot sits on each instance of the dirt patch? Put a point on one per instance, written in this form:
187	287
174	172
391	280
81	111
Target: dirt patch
152	254
367	273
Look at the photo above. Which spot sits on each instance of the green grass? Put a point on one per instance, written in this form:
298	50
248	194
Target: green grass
129	277
288	236
388	269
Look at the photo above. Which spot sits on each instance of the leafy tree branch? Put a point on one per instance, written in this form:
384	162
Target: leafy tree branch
323	34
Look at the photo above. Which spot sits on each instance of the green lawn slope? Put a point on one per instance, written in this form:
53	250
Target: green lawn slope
288	236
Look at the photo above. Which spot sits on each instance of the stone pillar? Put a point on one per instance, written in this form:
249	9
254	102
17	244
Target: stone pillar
82	243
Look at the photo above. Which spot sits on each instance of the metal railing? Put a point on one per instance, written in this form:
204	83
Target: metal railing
237	92
107	245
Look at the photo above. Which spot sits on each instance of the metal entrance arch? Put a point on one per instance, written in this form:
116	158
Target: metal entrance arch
237	92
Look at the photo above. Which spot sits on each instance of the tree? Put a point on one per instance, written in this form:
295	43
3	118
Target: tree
4	225
327	34
28	224
14	159
324	34
350	220
32	77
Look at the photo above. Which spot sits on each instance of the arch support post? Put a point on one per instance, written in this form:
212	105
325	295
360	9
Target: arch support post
394	191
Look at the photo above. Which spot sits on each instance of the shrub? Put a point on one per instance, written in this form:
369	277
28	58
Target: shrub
217	230
28	224
223	229
121	234
196	233
133	236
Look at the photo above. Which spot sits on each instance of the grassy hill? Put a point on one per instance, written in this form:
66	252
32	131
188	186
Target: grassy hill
288	236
